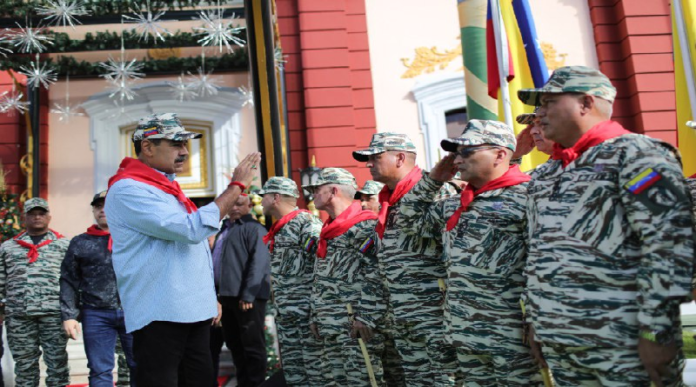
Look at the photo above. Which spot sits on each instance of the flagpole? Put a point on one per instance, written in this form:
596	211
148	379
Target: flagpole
686	55
503	65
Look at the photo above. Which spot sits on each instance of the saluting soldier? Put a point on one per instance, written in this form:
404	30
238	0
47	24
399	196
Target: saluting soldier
412	267
369	195
346	274
484	234
611	241
291	241
29	282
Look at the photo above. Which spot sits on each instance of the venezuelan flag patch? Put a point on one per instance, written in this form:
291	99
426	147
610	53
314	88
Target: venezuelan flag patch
309	244
150	131
643	181
369	242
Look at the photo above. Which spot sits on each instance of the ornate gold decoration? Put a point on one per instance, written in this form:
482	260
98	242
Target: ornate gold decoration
428	60
553	59
164	53
258	208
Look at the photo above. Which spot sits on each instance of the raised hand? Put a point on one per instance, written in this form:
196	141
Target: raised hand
246	169
444	170
525	142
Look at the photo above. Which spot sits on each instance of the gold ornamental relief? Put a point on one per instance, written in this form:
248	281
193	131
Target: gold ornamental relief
430	59
164	53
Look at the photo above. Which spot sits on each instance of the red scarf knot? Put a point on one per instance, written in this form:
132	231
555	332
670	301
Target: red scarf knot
513	176
277	226
135	169
388	198
598	134
96	231
33	253
336	227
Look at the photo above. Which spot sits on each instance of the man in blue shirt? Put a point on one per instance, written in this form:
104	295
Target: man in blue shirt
161	255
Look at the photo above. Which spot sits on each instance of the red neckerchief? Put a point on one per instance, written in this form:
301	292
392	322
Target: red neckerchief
96	231
693	176
598	134
336	227
135	169
33	253
388	198
513	176
277	226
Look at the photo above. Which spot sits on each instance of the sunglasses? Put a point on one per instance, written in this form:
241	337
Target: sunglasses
466	152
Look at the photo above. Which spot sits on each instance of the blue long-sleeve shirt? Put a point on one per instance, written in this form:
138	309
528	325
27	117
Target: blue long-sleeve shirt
160	255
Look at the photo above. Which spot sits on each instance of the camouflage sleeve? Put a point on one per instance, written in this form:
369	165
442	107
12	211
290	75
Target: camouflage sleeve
653	192
309	237
691	183
371	308
69	285
421	213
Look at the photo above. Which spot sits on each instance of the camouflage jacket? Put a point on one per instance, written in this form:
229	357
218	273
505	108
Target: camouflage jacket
292	266
31	289
348	275
412	264
611	244
485	255
691	184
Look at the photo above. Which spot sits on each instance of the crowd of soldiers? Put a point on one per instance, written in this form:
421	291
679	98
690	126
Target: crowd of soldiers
474	273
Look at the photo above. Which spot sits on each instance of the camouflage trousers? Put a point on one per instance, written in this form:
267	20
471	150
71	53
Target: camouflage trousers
300	354
26	337
342	355
426	358
585	367
513	367
391	361
123	369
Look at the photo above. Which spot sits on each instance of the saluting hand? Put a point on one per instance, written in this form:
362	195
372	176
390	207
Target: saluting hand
245	171
444	170
525	143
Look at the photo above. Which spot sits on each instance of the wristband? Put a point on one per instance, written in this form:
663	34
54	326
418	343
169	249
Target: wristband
241	186
660	337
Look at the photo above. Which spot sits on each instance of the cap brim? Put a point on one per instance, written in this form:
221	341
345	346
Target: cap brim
364	155
186	136
26	211
449	145
526	119
97	200
532	96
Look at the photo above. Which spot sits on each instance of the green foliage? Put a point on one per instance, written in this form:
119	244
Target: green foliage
112	41
9	216
689	344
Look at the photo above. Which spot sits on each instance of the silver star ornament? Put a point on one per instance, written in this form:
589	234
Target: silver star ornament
66	112
148	24
182	90
29	39
39	74
204	84
122	69
12	102
62	12
217	31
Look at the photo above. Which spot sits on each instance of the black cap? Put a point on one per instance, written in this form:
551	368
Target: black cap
101	196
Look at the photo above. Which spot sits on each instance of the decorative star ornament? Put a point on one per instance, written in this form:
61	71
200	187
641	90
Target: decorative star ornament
204	84
217	31
279	58
117	70
66	112
62	12
39	74
248	96
183	90
5	37
148	23
29	39
12	102
121	89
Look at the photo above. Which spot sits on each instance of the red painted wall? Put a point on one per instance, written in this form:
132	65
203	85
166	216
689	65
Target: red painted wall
329	83
634	48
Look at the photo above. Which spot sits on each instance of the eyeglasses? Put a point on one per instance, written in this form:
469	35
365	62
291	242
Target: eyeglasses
466	152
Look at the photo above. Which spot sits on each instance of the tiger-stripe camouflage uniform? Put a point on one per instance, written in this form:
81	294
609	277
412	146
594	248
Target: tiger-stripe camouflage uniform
32	308
691	184
292	268
611	249
348	274
411	265
485	251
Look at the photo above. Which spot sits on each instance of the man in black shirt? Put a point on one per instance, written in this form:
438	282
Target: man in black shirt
244	289
88	293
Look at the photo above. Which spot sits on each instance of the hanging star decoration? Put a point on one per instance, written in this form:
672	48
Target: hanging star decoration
122	89
248	96
12	102
39	74
122	69
279	58
63	12
217	31
204	84
66	111
5	37
29	39
182	90
148	23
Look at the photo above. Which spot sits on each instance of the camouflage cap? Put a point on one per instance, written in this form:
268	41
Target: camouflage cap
480	132
334	176
527	118
382	142
32	203
572	79
371	187
100	196
165	125
280	185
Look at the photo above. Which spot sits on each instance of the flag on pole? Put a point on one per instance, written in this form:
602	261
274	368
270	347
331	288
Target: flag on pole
526	61
494	64
684	37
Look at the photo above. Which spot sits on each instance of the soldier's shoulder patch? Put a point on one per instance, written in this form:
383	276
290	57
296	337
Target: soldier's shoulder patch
310	243
367	245
643	181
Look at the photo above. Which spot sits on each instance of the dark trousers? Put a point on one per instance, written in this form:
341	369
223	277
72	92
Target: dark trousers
172	354
217	340
245	337
100	329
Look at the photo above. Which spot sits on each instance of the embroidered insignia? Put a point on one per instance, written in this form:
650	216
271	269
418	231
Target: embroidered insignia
599	168
369	242
643	181
310	243
150	132
498	206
